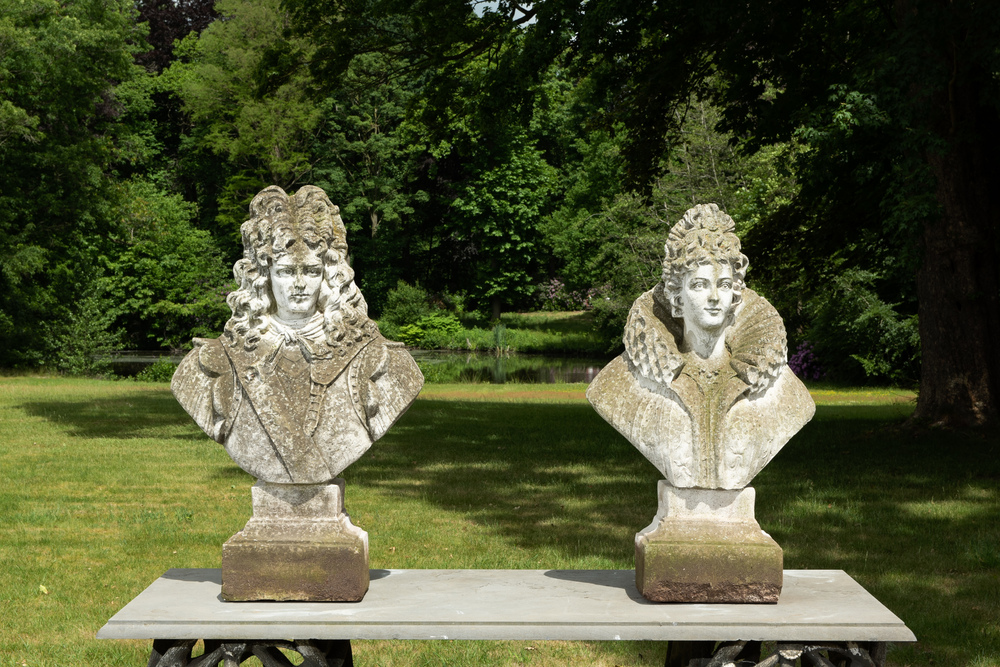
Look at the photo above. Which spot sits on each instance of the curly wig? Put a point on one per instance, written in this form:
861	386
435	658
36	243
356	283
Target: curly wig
277	223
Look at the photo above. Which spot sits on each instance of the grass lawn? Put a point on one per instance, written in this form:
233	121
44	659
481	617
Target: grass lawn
104	485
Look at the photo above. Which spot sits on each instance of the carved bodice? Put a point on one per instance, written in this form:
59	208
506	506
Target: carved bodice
703	424
297	410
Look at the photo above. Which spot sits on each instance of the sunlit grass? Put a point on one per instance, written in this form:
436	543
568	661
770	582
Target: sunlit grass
105	485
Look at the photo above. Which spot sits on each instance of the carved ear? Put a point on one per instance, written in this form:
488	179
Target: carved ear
676	306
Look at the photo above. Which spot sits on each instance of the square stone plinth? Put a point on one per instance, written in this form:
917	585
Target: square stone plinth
330	567
706	562
706	546
300	545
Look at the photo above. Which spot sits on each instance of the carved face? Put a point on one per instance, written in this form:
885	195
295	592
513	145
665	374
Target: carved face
706	297
296	278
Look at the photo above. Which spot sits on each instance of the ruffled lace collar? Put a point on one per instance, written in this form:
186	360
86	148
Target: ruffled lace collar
755	341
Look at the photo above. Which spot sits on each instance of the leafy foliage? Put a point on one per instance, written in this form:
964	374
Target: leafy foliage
431	331
61	136
499	153
169	21
405	304
84	338
161	370
245	88
864	336
170	275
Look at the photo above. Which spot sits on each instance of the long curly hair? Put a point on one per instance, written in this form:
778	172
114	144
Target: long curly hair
703	236
277	223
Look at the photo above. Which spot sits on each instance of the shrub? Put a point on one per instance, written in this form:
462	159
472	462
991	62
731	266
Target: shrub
161	370
405	304
85	338
554	296
805	364
861	337
431	331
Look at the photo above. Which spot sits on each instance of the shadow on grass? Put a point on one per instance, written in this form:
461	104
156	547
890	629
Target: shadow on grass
914	517
136	415
544	475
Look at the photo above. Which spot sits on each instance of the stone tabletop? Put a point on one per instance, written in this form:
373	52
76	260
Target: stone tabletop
815	605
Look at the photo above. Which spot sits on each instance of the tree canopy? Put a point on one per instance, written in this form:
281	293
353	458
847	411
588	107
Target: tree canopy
499	154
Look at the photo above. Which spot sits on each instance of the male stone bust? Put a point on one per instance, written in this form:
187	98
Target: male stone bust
302	383
703	389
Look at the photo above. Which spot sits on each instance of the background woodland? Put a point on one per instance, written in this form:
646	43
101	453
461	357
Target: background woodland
505	157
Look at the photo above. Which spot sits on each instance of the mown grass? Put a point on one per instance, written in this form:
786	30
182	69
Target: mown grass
104	485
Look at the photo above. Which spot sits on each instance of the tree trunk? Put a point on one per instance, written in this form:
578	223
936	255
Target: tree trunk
957	284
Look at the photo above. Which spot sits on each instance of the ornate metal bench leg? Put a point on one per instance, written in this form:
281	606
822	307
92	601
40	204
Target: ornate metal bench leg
337	652
232	653
877	651
680	654
171	652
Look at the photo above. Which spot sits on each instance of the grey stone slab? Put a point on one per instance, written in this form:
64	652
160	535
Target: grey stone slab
815	605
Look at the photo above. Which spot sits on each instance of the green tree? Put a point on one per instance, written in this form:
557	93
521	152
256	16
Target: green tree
62	66
898	104
368	158
246	91
497	210
170	277
480	177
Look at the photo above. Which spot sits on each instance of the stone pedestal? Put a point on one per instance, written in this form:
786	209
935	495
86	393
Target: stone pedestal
706	546
299	545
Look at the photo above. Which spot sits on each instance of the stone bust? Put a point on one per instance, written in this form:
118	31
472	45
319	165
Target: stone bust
703	388
301	383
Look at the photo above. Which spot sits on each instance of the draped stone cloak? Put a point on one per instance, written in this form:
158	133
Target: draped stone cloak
703	425
296	409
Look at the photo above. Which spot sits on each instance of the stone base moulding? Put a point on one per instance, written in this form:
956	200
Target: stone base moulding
706	546
299	545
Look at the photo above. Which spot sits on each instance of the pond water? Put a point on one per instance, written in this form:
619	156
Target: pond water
440	366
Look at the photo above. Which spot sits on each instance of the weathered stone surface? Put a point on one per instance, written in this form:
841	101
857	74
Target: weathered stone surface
302	383
704	391
703	388
299	545
298	388
706	546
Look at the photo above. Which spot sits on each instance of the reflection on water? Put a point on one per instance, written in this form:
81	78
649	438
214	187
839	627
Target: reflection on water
440	366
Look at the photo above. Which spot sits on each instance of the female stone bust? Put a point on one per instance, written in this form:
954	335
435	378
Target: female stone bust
302	383
703	389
